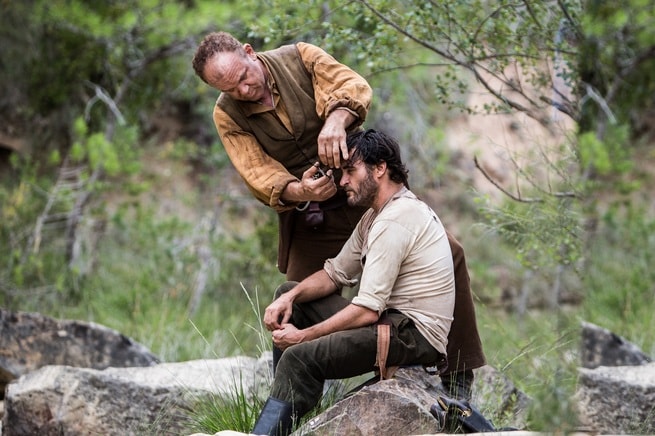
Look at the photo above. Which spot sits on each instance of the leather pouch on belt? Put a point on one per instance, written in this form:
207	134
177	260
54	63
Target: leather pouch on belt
313	217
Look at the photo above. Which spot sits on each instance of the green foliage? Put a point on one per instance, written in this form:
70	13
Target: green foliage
620	275
616	62
235	410
156	263
482	38
537	352
128	55
543	235
29	259
608	156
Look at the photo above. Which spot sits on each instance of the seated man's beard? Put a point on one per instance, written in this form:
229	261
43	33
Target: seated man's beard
366	193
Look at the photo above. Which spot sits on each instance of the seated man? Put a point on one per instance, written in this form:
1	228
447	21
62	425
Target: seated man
402	251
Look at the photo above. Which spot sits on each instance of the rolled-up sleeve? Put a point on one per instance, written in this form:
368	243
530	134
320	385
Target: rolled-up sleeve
265	177
335	85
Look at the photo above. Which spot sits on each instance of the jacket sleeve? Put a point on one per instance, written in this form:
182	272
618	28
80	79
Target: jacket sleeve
336	86
264	176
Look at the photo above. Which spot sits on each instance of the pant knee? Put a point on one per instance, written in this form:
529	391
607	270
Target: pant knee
284	287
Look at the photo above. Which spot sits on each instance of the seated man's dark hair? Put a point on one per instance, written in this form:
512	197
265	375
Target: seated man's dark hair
373	147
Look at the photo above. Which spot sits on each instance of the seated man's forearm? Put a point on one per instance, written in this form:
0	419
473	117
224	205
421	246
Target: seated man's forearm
350	317
316	286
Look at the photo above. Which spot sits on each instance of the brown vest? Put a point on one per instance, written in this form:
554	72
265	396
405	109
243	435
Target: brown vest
295	150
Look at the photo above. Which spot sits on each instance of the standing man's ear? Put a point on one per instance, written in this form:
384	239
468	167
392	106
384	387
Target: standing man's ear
249	50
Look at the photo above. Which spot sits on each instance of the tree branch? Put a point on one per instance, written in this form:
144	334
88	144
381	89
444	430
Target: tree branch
500	188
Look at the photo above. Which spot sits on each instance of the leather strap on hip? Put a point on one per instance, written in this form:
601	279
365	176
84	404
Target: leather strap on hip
384	338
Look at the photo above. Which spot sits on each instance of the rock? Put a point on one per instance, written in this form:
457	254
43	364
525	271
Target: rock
617	400
401	406
499	399
29	341
224	433
123	401
391	407
601	347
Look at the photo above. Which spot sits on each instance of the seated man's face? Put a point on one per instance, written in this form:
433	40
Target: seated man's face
359	184
238	75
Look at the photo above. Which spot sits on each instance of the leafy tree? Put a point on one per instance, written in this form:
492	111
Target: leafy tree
590	63
83	82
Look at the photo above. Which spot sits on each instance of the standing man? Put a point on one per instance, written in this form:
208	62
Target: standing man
282	115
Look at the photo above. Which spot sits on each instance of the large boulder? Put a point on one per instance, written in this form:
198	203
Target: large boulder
29	341
401	406
616	384
56	400
617	400
601	347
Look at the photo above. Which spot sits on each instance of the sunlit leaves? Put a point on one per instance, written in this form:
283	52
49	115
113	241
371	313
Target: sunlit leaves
593	153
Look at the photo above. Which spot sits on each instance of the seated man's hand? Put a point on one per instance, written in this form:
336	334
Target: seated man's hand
287	336
278	313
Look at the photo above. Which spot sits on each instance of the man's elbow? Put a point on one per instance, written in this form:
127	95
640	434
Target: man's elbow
371	316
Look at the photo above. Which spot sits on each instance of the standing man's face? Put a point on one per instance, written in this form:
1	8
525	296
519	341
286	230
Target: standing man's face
241	77
360	185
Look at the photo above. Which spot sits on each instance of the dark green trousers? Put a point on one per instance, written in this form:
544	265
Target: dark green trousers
303	368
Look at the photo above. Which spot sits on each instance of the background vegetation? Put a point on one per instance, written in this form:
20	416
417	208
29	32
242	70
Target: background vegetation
119	206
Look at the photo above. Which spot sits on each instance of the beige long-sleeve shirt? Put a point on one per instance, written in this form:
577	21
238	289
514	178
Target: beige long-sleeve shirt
406	264
335	87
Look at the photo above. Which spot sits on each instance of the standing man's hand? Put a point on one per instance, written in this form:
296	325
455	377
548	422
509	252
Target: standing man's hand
332	138
315	185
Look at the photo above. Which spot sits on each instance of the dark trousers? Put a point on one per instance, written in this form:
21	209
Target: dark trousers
303	368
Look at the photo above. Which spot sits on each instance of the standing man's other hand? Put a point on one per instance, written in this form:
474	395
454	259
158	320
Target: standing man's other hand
318	185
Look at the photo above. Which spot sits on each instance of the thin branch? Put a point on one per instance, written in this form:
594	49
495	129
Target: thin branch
102	95
407	34
500	188
569	18
600	101
519	198
487	18
514	104
408	67
532	14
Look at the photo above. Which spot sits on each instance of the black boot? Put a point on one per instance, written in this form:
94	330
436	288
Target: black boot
458	385
274	419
